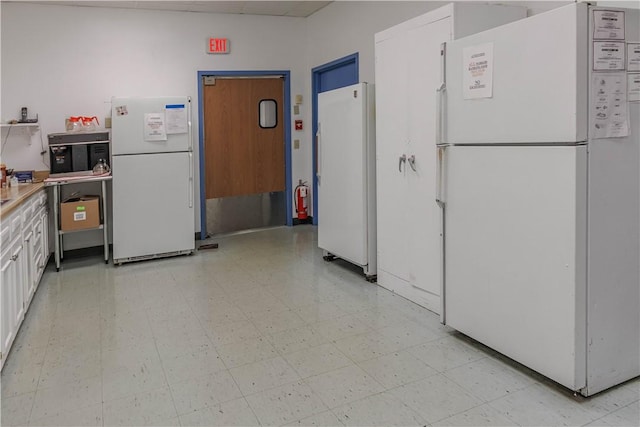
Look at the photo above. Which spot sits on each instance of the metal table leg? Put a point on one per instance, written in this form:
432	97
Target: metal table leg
56	221
105	222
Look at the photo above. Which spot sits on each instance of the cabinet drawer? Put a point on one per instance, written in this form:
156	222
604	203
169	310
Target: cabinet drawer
16	226
27	210
41	199
5	233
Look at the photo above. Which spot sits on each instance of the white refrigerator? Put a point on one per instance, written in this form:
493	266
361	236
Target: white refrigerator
539	185
153	178
346	176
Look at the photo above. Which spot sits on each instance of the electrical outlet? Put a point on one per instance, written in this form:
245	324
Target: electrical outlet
296	144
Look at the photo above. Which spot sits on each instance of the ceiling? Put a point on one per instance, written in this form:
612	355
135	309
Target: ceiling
275	8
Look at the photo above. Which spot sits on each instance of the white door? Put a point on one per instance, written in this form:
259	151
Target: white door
152	204
130	115
516	253
342	187
539	81
392	95
424	215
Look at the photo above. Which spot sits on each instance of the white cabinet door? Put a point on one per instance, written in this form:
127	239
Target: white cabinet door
44	250
342	187
12	292
30	269
423	240
392	95
7	271
20	262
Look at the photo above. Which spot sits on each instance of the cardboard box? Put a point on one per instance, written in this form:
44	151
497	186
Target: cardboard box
80	213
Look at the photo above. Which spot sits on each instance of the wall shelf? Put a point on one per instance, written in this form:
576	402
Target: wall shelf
31	127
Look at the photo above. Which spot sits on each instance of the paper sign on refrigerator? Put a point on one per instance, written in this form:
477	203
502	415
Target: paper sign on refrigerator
477	78
154	127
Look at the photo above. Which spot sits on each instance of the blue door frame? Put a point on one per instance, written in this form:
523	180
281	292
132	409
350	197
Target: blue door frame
287	136
350	65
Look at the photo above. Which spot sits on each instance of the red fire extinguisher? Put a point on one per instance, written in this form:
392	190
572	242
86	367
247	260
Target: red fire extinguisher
301	194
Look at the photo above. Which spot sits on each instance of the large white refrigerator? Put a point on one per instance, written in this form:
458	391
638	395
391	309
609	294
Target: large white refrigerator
346	176
540	189
153	178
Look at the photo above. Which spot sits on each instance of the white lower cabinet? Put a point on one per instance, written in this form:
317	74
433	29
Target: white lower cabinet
24	254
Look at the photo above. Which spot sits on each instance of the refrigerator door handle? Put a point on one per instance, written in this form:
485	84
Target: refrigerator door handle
439	111
439	183
440	93
440	151
319	154
190	180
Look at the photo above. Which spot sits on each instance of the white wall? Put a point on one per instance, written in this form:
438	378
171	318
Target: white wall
61	61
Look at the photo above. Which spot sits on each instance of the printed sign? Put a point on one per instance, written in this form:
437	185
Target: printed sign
633	56
477	78
176	116
609	109
633	87
608	56
608	25
154	128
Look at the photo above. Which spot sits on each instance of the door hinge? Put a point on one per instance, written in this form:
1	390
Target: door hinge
209	80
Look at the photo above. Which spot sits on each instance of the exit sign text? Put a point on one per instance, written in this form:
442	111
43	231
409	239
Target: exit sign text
217	45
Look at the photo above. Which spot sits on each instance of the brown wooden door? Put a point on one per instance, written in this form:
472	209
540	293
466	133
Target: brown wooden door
241	157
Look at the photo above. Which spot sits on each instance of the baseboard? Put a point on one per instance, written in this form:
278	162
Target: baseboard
297	221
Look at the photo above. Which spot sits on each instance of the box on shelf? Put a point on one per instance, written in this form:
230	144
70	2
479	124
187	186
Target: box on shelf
23	176
80	213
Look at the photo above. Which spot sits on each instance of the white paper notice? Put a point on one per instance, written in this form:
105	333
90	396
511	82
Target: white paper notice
154	128
633	56
608	56
633	87
609	109
608	25
176	116
477	79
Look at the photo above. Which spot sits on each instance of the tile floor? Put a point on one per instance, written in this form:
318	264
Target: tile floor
263	332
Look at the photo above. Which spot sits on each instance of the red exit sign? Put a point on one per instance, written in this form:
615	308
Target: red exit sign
217	45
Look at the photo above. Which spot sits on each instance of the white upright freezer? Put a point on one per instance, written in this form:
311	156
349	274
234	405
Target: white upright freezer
346	176
153	178
540	202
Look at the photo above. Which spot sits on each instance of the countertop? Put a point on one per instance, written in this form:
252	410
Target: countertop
16	195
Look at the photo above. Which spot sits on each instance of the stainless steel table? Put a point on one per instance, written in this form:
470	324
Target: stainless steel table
56	183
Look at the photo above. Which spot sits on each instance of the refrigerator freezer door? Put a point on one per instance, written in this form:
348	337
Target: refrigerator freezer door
516	255
343	167
128	120
539	82
152	205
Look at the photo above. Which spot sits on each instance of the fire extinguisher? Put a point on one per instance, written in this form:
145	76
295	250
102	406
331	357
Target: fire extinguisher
301	193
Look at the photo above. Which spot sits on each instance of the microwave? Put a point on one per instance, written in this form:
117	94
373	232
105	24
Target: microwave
77	152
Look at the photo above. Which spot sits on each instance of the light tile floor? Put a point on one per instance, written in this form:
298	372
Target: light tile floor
262	331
